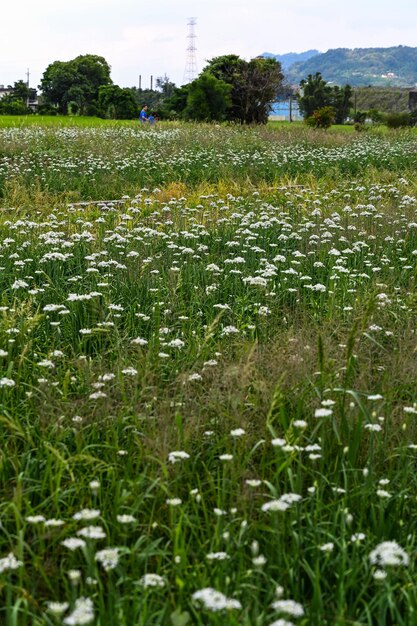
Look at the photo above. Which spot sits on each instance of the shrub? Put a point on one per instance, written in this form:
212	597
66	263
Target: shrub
398	120
321	118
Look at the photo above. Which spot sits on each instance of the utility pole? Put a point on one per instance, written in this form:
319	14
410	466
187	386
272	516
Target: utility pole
191	62
140	82
27	85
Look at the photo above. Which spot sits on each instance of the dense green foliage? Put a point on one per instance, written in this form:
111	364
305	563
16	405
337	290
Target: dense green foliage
72	86
244	91
395	66
15	103
208	99
321	118
117	103
316	93
207	390
255	84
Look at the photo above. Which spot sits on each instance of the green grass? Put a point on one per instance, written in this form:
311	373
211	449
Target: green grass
216	369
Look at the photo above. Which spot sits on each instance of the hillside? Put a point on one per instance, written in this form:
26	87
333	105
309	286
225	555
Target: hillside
288	59
385	99
384	67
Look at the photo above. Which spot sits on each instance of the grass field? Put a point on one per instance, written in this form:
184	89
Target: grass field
208	375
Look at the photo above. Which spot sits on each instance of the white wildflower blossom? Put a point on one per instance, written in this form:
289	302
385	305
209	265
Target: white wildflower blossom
83	613
9	563
178	455
288	607
215	601
152	580
389	554
108	558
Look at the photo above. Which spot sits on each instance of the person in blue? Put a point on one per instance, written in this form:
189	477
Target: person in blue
152	119
143	117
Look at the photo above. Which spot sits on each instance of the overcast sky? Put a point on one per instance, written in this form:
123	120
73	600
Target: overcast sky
144	37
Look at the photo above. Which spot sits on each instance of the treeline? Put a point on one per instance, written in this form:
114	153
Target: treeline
228	89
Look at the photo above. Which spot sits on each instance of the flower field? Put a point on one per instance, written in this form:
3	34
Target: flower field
208	373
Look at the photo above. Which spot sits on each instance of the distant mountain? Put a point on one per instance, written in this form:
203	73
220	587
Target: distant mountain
288	59
388	67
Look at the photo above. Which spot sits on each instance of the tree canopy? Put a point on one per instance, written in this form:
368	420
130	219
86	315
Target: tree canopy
316	94
255	84
75	83
242	91
117	103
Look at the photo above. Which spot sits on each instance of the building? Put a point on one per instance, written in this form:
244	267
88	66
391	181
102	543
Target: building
5	91
32	102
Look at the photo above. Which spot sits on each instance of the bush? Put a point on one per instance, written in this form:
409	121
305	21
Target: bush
321	118
360	117
398	120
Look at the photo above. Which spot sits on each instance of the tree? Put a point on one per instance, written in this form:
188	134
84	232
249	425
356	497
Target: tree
208	99
165	86
255	85
76	81
316	93
21	91
117	103
174	106
341	101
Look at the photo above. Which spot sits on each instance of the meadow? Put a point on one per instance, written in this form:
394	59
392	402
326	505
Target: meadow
207	375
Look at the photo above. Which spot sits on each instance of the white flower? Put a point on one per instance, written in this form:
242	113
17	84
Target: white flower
173	501
237	432
229	330
290	607
125	519
72	543
97	395
300	424
195	376
7	382
57	608
139	341
46	363
177	455
213	600
35	519
130	371
9	562
226	457
152	580
327	547
389	553
86	514
275	505
92	532
20	284
323	412
83	613
109	558
217	556
176	343
375	428
253	482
